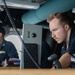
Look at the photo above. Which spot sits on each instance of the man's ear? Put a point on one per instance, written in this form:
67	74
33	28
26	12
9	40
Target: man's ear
67	27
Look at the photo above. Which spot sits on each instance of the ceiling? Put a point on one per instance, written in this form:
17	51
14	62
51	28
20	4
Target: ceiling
18	7
16	12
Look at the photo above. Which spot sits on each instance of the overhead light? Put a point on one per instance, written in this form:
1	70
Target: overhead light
20	4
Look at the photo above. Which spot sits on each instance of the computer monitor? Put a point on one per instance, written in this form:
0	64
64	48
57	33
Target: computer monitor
32	36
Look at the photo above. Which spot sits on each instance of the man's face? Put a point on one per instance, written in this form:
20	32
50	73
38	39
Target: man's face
58	32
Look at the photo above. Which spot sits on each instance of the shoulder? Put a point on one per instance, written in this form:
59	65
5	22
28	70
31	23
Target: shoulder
8	43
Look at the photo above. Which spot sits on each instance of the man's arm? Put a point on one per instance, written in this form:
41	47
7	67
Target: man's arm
65	60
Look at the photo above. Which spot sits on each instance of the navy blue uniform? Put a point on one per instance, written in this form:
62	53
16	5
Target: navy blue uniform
71	48
7	50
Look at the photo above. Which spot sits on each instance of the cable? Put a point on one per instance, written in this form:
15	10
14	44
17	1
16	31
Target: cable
13	24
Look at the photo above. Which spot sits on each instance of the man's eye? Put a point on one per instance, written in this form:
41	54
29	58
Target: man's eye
55	30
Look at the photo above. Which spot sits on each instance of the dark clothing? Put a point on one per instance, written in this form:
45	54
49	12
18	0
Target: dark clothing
71	48
46	52
7	50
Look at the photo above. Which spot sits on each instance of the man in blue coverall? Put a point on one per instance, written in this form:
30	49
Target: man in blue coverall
61	25
7	49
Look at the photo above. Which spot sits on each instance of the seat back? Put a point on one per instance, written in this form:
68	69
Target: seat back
51	42
56	48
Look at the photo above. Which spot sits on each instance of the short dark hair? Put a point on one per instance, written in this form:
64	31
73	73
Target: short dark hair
64	17
2	30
